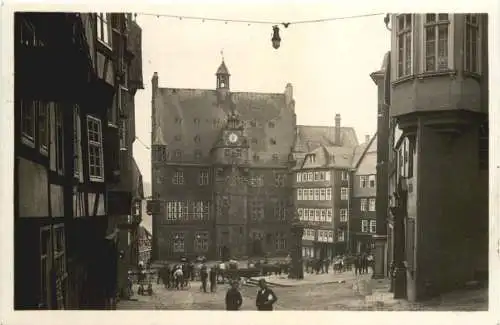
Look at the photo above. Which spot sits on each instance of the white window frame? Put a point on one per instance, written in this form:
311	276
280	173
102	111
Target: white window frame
449	46
300	212
299	177
373	226
317	215
345	175
363	204
311	214
178	178
363	181
468	27
43	106
316	194
300	194
329	215
330	236
327	176
201	241
310	176
365	226
322	194
372	178
96	144
178	242
344	193
203	177
344	215
323	215
371	204
28	106
103	29
404	70
341	235
328	194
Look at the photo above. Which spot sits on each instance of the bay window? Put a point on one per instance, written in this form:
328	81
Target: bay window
436	36
404	41
472	44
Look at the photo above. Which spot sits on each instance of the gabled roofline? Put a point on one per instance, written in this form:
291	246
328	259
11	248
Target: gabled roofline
365	151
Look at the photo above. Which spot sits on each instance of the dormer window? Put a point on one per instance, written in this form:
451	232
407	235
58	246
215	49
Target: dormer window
312	159
271	125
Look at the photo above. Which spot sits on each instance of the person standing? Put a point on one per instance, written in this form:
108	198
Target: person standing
265	297
234	300
204	276
213	279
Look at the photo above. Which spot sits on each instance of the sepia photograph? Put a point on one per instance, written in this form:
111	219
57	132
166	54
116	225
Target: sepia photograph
251	157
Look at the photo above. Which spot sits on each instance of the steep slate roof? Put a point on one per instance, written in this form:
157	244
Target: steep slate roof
367	163
190	104
311	137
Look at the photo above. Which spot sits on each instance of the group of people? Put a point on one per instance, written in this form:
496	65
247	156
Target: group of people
178	276
361	262
264	301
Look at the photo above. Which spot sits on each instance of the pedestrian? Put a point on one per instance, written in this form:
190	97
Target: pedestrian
265	297
178	277
234	300
213	279
327	264
357	265
204	276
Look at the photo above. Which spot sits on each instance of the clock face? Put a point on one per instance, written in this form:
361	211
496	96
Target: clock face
233	137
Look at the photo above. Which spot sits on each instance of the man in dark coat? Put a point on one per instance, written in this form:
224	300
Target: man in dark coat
204	276
213	278
234	300
265	297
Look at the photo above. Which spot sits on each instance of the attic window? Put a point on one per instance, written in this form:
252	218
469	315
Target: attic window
254	141
178	154
177	137
275	156
255	157
178	120
312	158
271	125
197	138
272	140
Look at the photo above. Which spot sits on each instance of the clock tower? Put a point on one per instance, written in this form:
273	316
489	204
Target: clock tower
230	157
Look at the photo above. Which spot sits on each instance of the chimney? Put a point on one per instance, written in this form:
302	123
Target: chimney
337	129
367	138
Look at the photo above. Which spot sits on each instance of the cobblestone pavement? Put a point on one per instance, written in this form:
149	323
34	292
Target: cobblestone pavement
358	293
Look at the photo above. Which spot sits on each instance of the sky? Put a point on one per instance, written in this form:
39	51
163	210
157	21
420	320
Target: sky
328	63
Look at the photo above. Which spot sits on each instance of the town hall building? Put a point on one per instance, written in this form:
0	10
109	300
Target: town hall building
222	165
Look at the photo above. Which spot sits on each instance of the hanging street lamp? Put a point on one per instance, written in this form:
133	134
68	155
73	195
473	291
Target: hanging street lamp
276	40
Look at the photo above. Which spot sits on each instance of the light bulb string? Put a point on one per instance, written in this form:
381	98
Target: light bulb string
262	22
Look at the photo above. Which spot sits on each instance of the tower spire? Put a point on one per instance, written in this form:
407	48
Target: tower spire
222	54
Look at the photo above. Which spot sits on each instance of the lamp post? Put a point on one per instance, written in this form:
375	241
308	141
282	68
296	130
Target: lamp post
297	230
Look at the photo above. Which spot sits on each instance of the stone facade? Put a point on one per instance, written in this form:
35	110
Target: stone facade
221	166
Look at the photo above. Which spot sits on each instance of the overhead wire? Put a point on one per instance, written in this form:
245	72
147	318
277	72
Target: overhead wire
262	22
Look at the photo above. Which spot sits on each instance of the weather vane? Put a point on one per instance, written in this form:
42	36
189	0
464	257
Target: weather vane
222	54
